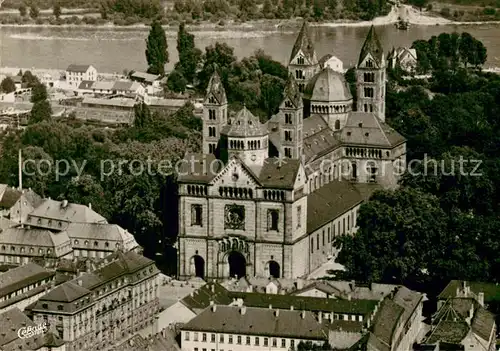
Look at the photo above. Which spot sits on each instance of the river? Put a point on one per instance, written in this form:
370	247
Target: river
113	50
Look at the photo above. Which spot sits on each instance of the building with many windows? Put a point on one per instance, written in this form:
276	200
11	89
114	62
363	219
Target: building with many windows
268	199
97	309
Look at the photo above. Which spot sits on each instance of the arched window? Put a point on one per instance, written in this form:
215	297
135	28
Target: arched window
337	124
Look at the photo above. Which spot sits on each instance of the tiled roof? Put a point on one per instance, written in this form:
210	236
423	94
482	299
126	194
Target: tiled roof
86	84
78	68
364	128
279	174
329	202
313	304
22	276
483	323
144	76
159	342
33	237
215	87
258	321
199	168
328	86
109	102
111	232
449	326
408	299
319	144
305	44
9	198
245	124
6	223
200	299
10	322
68	212
371	46
67	292
491	291
124	85
103	85
386	319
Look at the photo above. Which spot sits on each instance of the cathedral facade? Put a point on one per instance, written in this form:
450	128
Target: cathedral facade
269	199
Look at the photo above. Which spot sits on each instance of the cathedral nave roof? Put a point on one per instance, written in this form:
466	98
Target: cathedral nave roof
364	128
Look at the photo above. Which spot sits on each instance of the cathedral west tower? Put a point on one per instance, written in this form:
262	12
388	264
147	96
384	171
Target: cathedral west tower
371	77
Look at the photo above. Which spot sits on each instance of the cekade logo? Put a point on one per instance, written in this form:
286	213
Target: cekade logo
28	332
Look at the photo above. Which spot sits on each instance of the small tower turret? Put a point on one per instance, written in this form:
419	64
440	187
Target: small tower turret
214	113
371	76
303	63
291	120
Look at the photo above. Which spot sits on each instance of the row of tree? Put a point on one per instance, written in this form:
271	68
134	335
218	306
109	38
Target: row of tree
34	12
443	222
281	9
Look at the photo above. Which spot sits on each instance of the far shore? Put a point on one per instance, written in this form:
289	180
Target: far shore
413	16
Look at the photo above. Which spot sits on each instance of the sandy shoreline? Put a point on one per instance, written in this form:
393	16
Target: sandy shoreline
413	16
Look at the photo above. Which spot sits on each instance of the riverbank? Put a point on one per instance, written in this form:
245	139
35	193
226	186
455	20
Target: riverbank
414	17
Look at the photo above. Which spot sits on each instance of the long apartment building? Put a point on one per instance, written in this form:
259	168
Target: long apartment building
100	308
388	318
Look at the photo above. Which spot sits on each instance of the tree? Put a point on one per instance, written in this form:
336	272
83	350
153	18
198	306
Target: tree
220	55
7	85
86	189
29	79
271	93
22	10
34	12
41	111
189	55
142	116
38	93
399	237
156	49
176	82
57	10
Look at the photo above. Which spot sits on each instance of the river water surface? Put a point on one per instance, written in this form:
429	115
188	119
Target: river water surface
113	50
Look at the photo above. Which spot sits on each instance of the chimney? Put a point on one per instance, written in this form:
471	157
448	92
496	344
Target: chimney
192	295
212	288
320	317
243	310
299	284
277	313
90	206
349	297
64	204
353	284
270	307
214	308
303	314
80	282
480	298
291	308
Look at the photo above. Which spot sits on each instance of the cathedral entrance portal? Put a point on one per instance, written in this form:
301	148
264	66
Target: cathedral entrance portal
199	266
237	264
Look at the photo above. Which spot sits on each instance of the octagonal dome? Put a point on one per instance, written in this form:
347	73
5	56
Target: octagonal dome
327	86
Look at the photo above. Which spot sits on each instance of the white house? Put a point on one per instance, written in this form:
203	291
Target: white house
128	87
335	63
75	74
407	59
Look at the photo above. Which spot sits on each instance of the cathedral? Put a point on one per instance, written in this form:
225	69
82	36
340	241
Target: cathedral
269	199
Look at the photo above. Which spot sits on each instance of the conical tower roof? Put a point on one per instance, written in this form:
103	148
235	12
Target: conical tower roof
215	87
371	46
292	92
305	44
245	124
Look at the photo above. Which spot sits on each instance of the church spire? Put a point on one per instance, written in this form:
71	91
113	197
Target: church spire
292	93
304	44
371	47
215	87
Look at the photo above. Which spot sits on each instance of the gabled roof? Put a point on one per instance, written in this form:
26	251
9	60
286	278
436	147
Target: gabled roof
86	84
78	68
387	318
66	292
34	237
147	77
292	93
9	197
371	46
304	44
329	202
112	232
258	321
279	173
215	87
244	125
201	298
199	168
10	322
364	128
483	323
449	326
66	211
22	276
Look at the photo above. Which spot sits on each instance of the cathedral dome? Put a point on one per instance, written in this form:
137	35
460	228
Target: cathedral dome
245	124
327	86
